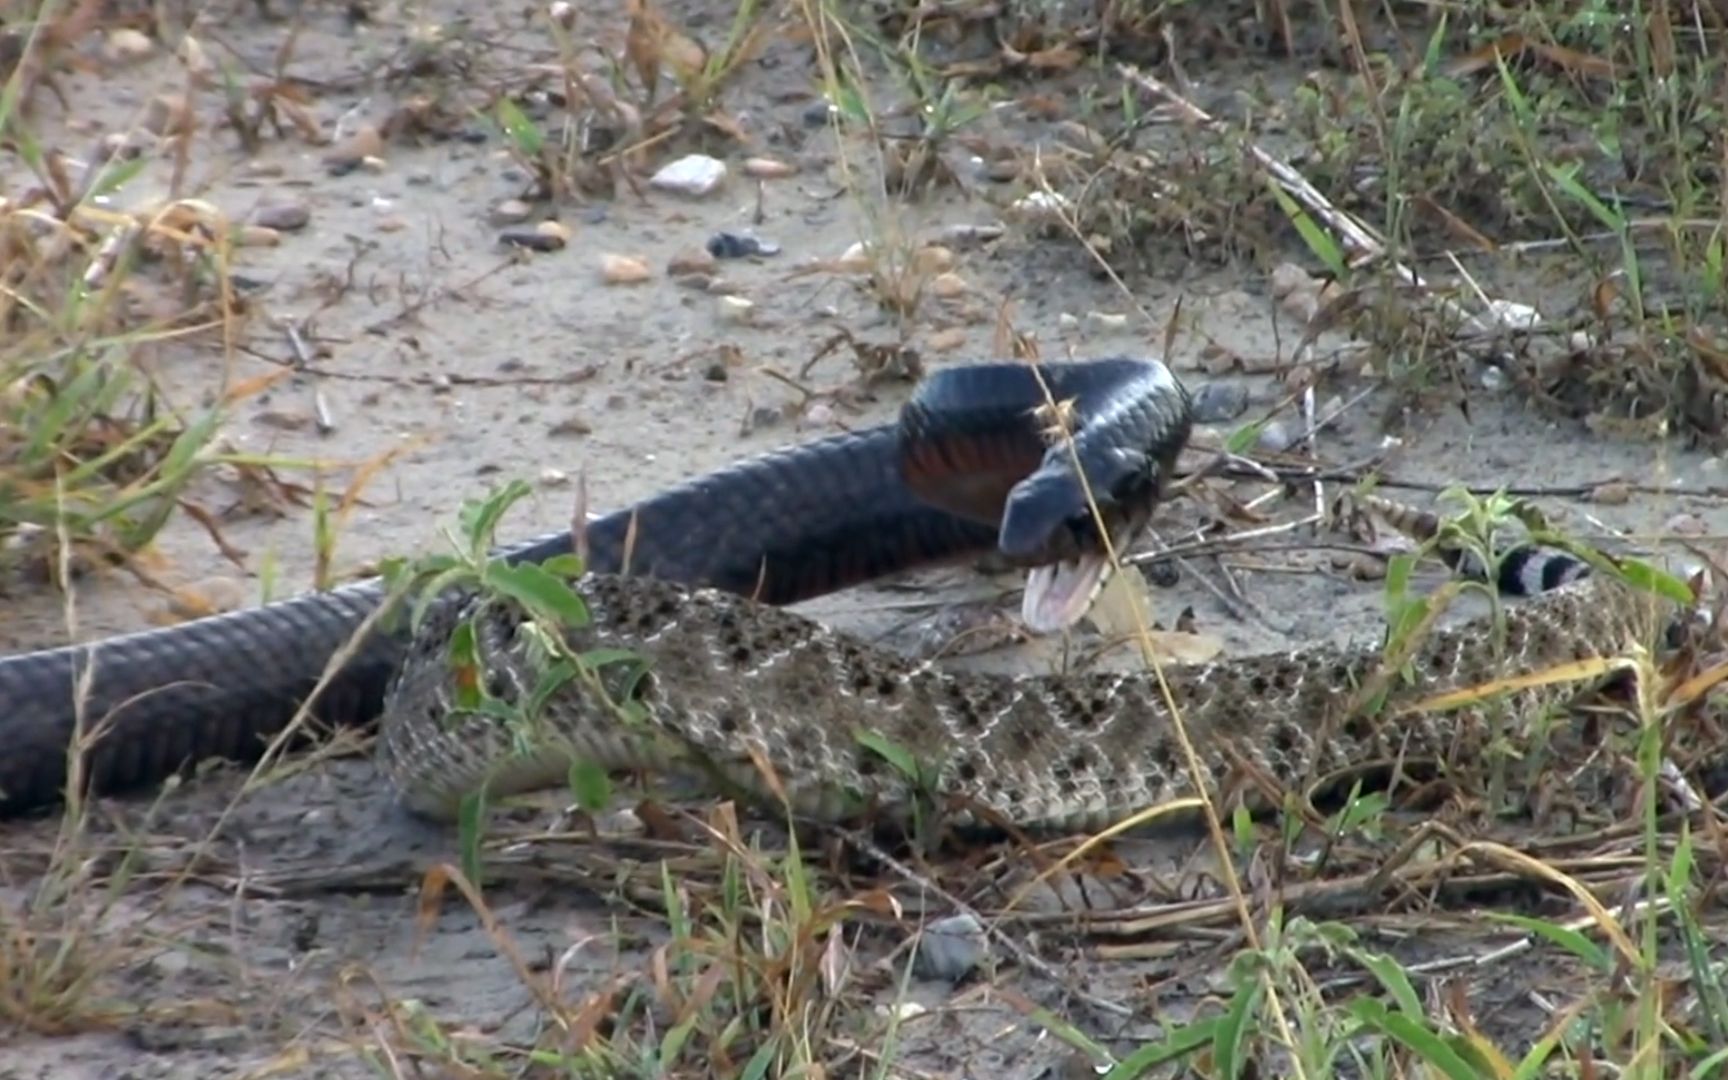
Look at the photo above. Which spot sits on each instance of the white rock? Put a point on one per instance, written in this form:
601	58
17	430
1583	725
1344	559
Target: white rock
1504	315
950	948
735	309
694	174
1042	205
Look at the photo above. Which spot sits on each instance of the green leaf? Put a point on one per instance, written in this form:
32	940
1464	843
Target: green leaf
553	679
1231	1034
1572	941
757	1067
624	671
1393	978
1182	1042
1243	438
1361	810
433	591
1414	1037
1319	241
590	785
531	586
115	175
470	818
1566	179
479	519
568	566
519	128
1716	1065
892	753
1644	576
464	652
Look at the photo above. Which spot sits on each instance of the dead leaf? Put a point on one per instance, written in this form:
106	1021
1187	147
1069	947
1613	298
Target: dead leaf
642	44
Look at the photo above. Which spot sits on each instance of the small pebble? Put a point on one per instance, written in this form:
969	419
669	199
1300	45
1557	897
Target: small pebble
1503	316
1611	493
256	236
767	168
948	340
554	478
1042	205
354	151
949	286
127	46
167	965
735	309
730	245
690	261
1275	437
546	236
817	113
623	269
511	212
951	948
934	259
1217	402
1106	320
695	175
1684	524
282	216
1288	278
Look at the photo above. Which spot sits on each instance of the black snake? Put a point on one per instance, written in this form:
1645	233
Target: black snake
969	467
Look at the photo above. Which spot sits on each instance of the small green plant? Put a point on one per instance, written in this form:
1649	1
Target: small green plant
473	574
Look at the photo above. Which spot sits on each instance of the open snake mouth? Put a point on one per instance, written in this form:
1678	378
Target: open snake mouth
1059	594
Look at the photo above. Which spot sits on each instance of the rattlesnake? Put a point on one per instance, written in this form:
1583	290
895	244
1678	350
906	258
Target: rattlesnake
734	686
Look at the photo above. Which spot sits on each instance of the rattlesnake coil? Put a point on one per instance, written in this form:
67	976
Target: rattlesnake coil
733	685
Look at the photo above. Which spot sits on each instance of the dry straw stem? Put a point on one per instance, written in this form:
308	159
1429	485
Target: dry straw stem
1191	758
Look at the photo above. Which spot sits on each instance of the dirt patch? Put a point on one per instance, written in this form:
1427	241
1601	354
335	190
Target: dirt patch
283	934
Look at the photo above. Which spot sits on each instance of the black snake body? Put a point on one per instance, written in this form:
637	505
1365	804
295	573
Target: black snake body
968	468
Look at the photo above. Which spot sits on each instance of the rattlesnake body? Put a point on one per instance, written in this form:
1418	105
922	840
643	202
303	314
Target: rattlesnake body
733	685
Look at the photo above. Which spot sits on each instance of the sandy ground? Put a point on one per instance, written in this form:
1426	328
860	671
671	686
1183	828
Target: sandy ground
477	365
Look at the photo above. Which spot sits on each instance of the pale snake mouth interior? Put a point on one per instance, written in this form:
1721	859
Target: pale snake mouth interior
1058	595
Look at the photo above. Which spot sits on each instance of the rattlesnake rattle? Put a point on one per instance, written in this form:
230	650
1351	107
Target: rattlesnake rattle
732	686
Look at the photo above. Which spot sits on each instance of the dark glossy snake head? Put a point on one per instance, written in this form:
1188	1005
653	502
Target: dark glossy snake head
1052	528
980	442
1102	484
